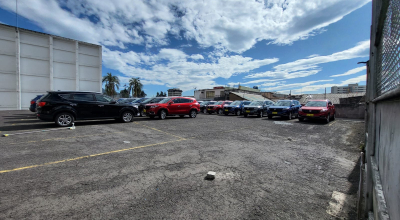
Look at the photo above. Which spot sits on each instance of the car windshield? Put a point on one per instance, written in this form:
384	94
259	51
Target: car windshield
218	103
204	103
236	103
227	103
147	101
165	100
140	100
246	103
158	100
212	103
283	103
316	104
256	103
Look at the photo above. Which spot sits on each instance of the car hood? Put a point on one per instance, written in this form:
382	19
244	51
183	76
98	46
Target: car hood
280	107
312	108
252	106
232	106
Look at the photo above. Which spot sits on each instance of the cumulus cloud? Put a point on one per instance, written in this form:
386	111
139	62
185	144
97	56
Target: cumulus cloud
309	66
234	25
352	71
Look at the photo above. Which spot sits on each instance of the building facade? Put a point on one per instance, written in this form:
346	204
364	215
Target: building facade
174	92
32	63
351	88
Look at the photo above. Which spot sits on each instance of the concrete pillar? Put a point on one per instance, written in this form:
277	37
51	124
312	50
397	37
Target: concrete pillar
18	67
76	66
51	62
100	68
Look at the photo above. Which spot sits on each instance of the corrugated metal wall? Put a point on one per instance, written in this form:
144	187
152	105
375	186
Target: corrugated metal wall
32	63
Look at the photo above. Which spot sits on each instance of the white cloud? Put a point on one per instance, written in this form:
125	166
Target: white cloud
234	25
352	71
309	66
197	57
294	85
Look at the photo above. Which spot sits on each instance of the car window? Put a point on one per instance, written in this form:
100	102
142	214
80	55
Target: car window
65	96
184	100
102	98
176	101
83	97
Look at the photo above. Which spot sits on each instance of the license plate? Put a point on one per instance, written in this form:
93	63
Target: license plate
274	113
247	111
310	115
209	109
144	110
226	110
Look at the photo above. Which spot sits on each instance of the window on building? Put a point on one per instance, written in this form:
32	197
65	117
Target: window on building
210	94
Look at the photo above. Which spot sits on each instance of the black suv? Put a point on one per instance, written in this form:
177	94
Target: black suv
65	107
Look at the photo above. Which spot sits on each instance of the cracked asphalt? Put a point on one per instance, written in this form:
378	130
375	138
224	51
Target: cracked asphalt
153	169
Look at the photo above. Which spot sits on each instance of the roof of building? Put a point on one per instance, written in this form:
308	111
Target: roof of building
251	97
333	97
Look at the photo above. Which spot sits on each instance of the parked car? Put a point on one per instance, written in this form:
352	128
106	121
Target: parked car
200	102
284	108
205	104
32	107
218	107
143	104
65	107
173	106
127	100
235	107
318	109
258	108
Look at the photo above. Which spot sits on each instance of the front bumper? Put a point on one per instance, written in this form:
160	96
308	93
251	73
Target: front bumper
281	113
211	110
150	112
230	111
321	115
251	112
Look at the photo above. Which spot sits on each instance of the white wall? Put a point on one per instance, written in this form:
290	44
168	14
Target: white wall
32	63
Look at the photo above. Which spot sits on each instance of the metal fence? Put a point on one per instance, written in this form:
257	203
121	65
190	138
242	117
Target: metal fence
388	68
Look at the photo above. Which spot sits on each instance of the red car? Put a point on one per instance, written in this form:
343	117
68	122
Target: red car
218	107
173	106
318	109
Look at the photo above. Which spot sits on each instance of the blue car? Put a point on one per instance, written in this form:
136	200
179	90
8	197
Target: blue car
32	107
235	107
284	108
258	108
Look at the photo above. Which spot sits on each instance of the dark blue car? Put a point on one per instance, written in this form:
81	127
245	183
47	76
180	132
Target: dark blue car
32	107
284	108
258	108
235	107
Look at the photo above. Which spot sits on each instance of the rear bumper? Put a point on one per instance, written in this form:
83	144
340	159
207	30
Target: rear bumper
44	117
32	109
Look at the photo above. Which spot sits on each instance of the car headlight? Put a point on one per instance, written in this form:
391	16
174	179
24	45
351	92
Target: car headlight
154	106
135	106
324	110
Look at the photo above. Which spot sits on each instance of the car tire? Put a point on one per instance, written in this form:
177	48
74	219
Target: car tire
245	115
290	116
64	119
327	119
260	115
301	119
162	115
126	116
205	111
269	116
193	114
237	113
220	111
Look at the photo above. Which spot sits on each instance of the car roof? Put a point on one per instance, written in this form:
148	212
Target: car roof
65	92
320	100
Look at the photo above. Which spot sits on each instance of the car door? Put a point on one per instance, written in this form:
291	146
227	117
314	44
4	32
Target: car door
106	108
85	105
186	105
174	108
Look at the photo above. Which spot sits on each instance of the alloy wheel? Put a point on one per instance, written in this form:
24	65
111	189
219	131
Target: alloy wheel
127	116
64	120
193	114
163	114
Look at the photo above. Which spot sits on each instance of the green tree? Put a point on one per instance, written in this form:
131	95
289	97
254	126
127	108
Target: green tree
135	86
125	92
112	82
142	94
158	94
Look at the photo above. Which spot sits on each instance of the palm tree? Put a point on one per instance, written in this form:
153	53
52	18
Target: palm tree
112	82
135	86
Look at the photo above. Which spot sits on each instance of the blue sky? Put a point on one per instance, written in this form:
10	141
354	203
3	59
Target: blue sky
278	45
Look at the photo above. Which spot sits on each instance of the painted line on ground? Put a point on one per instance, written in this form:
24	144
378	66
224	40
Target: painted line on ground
332	123
31	132
88	156
159	130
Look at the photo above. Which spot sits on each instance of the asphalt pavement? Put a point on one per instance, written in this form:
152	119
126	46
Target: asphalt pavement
156	169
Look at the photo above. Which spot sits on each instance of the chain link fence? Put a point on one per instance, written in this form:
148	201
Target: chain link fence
388	74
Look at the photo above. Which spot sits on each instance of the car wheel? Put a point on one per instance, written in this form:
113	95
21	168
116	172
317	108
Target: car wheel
64	119
181	116
301	119
220	111
269	116
127	116
193	114
290	116
260	115
205	111
245	115
327	119
162	114
238	112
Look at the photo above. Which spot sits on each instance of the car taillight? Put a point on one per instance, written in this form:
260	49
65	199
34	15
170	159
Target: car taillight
32	102
41	104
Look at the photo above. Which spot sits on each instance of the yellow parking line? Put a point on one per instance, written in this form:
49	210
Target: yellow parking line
332	123
88	156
